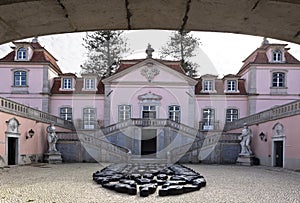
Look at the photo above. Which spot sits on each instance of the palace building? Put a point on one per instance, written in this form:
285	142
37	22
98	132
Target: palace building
151	108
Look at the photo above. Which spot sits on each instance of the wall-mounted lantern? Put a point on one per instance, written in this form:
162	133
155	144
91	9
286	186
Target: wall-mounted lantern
29	134
263	137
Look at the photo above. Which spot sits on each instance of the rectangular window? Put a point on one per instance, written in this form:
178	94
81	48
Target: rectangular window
90	84
278	79
89	118
124	112
149	112
208	85
66	113
231	115
20	78
231	85
208	119
67	83
174	113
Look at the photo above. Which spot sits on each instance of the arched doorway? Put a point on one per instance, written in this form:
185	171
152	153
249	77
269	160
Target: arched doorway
278	146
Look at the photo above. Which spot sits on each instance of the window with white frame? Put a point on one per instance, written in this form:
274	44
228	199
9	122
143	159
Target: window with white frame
21	54
149	111
277	56
278	79
174	113
67	83
231	85
231	115
208	119
208	85
89	118
124	112
66	113
90	83
20	78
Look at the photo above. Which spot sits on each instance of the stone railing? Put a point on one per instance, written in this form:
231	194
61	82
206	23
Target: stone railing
149	122
108	151
278	112
204	143
18	109
67	136
203	126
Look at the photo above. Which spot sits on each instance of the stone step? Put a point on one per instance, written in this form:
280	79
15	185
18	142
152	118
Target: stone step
149	160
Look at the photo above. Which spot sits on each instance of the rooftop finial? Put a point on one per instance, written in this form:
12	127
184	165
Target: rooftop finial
149	51
265	41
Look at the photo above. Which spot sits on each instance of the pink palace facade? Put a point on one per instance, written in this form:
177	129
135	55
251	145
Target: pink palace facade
150	103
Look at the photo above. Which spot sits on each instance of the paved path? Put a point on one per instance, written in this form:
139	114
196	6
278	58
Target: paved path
73	183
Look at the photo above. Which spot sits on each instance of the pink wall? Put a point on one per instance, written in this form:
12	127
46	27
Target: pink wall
34	82
263	150
170	96
35	145
220	104
78	102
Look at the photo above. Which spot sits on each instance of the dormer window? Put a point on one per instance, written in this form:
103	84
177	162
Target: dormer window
21	54
67	83
231	85
208	83
89	84
277	56
208	86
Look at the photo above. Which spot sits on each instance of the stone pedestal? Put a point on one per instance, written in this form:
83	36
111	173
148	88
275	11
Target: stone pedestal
245	160
53	157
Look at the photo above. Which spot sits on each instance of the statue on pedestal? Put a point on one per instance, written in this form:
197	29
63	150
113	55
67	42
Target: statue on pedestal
245	138
52	138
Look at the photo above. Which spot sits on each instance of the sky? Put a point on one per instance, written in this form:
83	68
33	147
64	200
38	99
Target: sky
219	53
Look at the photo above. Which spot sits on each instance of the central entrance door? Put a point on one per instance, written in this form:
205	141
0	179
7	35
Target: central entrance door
278	146
12	150
148	142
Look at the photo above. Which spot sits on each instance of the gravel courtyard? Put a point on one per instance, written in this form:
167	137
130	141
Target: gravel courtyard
73	183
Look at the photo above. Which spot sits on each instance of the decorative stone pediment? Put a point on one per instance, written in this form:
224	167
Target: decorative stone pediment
149	97
12	126
278	130
149	72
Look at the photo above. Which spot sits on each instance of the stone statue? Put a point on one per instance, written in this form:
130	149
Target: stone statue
246	138
52	138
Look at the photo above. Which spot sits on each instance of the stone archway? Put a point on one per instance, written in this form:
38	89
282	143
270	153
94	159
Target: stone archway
12	140
270	18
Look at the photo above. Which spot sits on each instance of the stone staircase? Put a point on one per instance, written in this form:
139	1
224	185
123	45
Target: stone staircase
148	161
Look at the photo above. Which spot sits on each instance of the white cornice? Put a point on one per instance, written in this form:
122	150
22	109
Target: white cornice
110	79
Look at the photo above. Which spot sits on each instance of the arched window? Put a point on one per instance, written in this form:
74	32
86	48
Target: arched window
20	78
278	79
208	119
124	112
277	56
21	53
89	118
